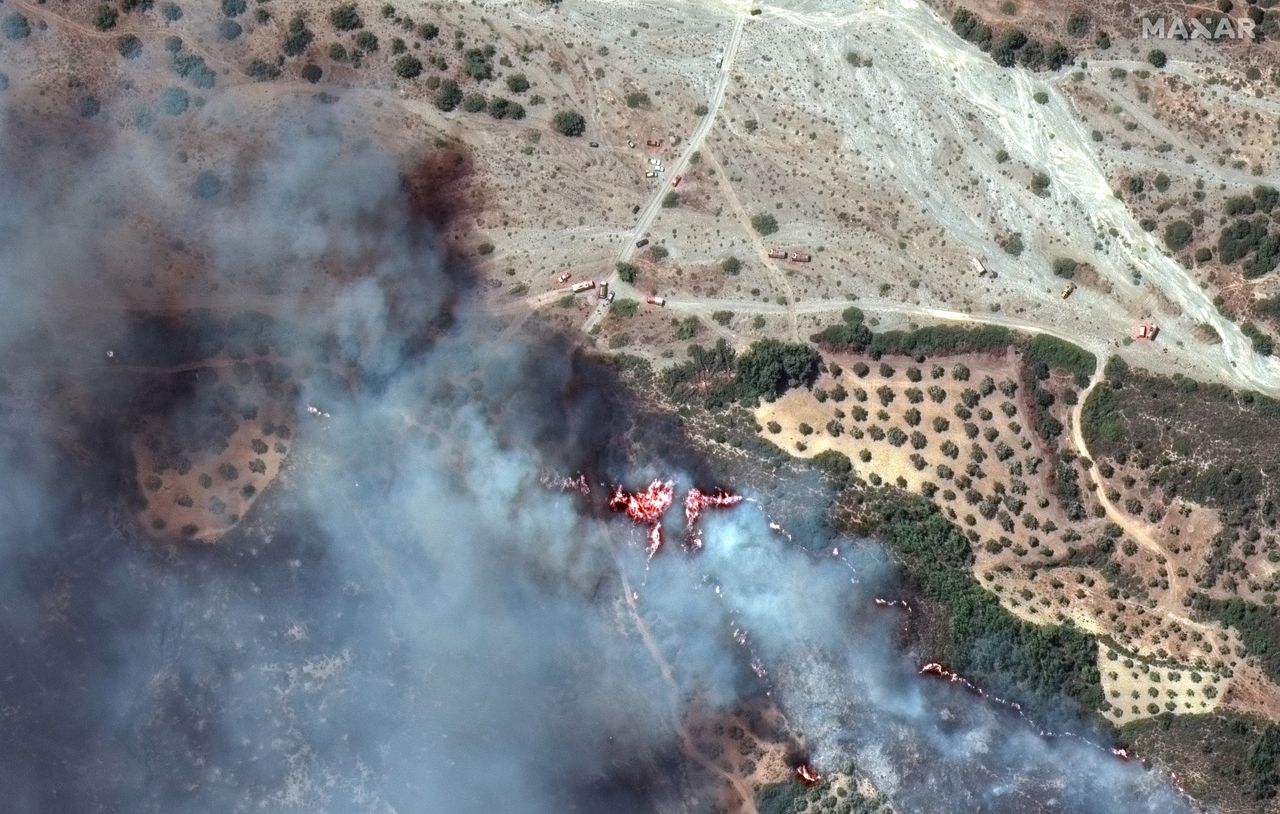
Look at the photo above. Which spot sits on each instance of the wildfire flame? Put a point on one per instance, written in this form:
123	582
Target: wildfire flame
899	603
933	668
646	506
695	501
807	774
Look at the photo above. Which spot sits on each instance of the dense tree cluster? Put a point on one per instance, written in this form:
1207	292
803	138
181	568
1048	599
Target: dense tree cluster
1061	354
1013	47
1251	239
849	336
770	367
1039	665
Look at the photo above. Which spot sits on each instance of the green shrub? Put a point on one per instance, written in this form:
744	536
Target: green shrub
476	65
1177	235
517	83
346	18
174	101
129	47
569	123
105	17
408	67
688	328
207	185
765	224
501	108
448	95
298	37
262	70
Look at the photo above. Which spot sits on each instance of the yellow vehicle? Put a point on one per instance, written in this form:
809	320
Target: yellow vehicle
1067	292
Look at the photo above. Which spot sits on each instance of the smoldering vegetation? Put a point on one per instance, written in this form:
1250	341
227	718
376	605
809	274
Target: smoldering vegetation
408	620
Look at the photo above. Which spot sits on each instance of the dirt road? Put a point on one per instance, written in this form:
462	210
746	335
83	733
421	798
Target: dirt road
873	306
694	144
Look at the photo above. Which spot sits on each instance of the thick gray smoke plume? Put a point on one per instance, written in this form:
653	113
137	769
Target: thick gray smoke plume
407	621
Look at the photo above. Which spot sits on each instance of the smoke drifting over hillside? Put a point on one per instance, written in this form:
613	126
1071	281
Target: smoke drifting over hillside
408	621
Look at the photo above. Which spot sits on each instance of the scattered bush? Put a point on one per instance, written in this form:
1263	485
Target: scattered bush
346	18
262	70
501	108
765	224
1177	235
448	95
105	17
207	185
408	67
298	37
174	101
129	47
569	123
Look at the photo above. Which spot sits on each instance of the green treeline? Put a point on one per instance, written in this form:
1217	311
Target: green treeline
718	376
1038	665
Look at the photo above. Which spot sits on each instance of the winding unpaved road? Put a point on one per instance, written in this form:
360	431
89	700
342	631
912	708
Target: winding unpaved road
694	143
776	275
1138	531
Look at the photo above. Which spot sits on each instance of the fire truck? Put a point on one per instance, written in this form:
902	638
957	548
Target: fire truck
602	290
654	299
800	257
1146	330
585	285
777	254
